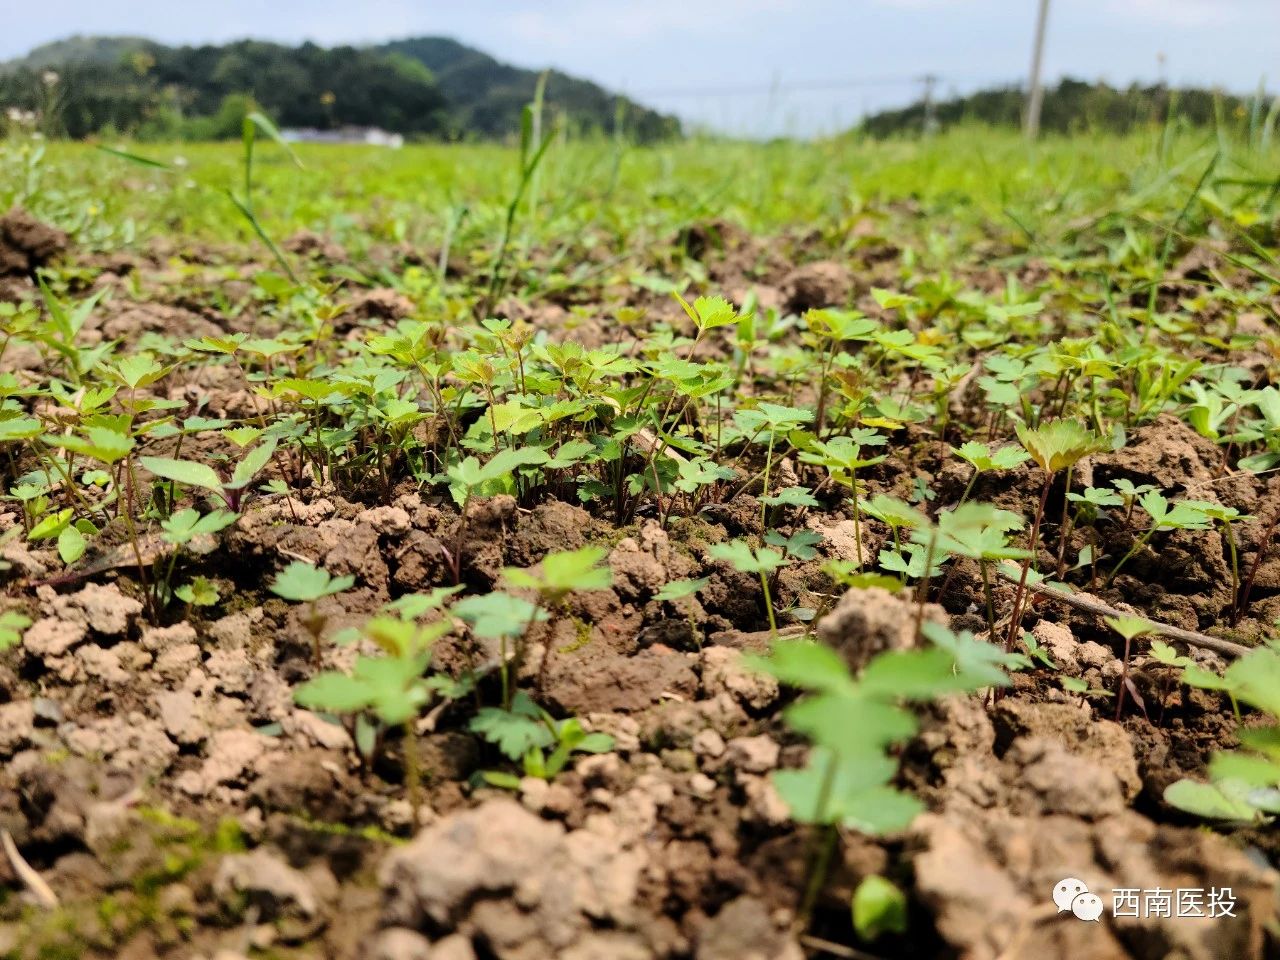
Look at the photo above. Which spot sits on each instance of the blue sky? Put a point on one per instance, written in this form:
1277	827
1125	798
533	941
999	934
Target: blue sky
793	66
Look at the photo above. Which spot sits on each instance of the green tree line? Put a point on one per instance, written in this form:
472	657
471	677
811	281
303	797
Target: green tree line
1075	106
425	87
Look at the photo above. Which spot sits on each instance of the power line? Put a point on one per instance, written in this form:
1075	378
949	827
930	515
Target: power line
802	86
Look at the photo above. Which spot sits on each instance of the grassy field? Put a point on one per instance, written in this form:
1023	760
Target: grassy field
586	551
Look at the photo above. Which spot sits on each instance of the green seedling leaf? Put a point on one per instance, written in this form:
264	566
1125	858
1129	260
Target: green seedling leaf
1223	801
807	665
800	544
516	731
791	497
497	615
183	526
51	525
183	471
12	624
878	907
1060	444
679	589
739	555
71	544
565	571
200	592
251	465
303	582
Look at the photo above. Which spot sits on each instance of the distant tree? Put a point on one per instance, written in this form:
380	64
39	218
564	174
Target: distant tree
1071	106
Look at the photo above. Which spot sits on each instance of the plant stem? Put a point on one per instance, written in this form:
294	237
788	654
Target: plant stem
857	517
1064	530
412	772
1138	544
1124	679
1243	605
1015	622
768	605
922	591
764	491
820	858
986	593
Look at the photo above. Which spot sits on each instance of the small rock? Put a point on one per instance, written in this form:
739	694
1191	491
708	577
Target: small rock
637	573
388	521
725	671
1059	643
230	754
160	639
102	664
399	943
52	637
1093	654
102	608
17	723
316	730
743	930
177	662
753	754
280	892
235	632
868	622
454	947
708	743
179	714
702	786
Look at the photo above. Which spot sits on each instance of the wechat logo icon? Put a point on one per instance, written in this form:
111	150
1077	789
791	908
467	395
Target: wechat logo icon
1072	894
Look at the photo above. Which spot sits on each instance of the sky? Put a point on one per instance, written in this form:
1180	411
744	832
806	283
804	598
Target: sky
746	67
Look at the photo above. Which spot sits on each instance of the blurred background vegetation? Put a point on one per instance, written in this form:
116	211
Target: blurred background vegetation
439	89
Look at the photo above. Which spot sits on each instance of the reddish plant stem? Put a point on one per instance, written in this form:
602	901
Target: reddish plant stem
1241	605
1015	622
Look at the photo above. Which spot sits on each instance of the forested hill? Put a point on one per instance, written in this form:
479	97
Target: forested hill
428	86
1075	106
485	96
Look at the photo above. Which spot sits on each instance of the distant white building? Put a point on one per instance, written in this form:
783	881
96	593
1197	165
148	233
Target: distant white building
373	136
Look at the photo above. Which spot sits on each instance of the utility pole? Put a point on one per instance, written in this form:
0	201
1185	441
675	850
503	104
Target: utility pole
930	119
1035	96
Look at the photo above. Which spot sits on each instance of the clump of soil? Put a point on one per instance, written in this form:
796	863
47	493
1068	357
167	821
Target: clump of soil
27	244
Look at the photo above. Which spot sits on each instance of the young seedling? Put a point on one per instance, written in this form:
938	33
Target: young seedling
506	619
1129	628
230	492
559	574
680	590
182	529
1226	517
469	478
12	623
878	907
983	460
1181	515
842	456
854	722
775	421
1245	783
980	532
1129	494
392	687
1054	446
762	562
524	732
302	582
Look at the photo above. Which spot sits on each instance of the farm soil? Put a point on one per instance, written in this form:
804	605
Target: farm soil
162	782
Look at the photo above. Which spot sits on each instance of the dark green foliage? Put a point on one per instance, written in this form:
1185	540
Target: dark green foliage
1071	106
428	86
486	96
